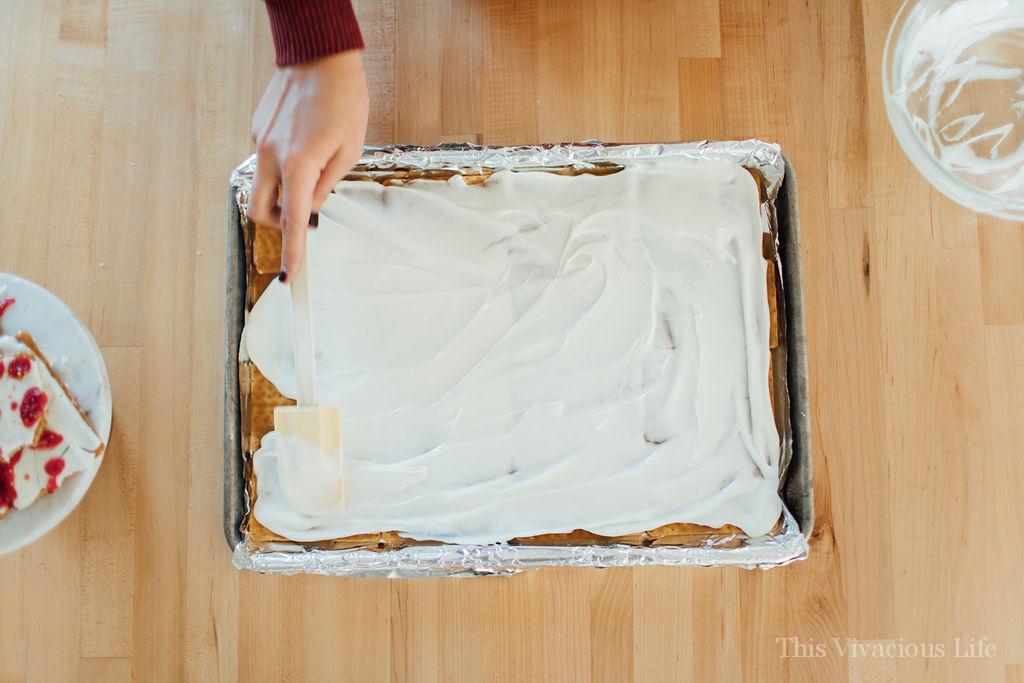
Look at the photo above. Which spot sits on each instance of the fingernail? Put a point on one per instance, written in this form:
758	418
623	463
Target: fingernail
314	220
283	276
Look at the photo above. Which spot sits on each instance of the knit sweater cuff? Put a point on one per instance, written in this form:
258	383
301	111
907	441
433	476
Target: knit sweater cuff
305	30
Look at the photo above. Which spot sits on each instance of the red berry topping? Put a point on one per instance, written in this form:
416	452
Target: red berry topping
1	367
15	457
53	467
5	304
7	491
19	367
48	440
32	406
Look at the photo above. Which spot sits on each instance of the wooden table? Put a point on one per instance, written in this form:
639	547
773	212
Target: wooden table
119	124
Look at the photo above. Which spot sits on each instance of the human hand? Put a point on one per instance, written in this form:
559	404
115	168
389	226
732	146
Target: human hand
308	129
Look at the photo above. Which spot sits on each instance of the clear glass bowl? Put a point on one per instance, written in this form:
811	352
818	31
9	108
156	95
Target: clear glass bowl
953	76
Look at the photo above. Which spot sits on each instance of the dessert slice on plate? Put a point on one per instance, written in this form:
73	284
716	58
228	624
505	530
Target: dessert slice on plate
44	435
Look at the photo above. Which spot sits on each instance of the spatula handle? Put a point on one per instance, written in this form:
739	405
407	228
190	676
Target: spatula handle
302	317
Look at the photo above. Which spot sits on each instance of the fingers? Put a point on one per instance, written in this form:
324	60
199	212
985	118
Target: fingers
296	199
263	198
304	189
338	165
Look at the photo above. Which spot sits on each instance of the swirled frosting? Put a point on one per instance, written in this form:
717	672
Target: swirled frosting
534	355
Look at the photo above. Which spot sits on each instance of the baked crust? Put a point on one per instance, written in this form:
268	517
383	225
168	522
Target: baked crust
259	397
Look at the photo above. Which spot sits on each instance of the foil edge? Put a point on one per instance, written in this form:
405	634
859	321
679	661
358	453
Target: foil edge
766	157
501	558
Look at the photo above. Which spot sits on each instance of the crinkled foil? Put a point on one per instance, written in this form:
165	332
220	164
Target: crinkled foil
501	558
785	546
755	154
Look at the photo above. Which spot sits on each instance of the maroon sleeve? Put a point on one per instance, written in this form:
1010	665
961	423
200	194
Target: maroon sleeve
305	30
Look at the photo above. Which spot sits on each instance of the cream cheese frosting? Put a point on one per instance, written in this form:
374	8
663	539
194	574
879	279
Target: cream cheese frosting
538	354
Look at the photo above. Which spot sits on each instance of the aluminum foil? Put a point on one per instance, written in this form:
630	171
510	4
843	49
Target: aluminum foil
502	558
755	154
784	546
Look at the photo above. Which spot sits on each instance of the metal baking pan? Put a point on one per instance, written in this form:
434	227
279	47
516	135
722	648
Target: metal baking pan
797	484
234	320
795	488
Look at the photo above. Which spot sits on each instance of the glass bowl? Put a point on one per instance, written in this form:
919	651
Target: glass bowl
953	77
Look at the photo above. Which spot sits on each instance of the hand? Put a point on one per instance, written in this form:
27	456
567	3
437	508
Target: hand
308	130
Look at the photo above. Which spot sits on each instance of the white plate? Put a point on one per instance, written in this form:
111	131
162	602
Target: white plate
74	355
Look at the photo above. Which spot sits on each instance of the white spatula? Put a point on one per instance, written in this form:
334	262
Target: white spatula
309	435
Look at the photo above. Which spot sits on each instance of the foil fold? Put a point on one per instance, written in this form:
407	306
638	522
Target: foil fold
777	549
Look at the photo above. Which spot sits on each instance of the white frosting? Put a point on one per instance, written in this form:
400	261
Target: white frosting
959	80
78	442
31	477
537	355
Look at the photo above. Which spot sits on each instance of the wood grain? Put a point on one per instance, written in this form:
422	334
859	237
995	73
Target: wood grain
579	61
698	33
120	121
700	100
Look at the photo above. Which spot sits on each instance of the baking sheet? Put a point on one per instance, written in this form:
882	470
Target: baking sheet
441	560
